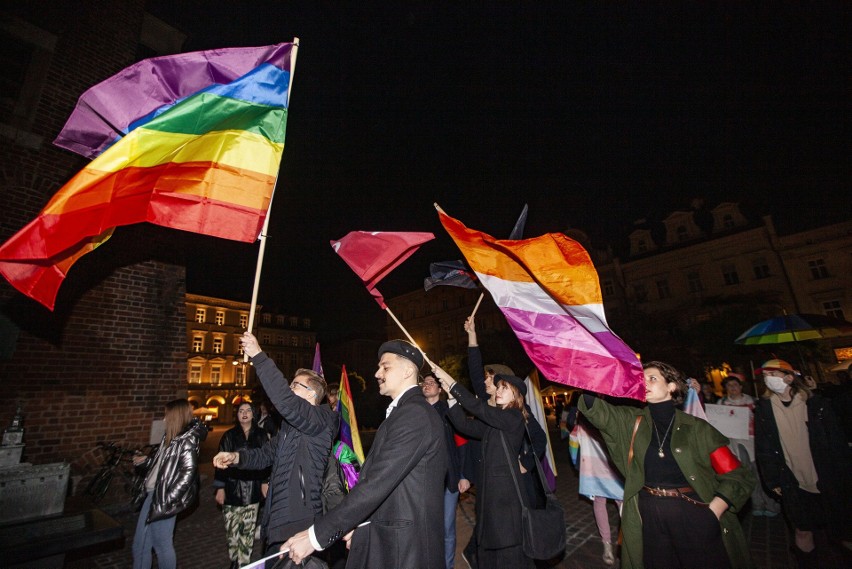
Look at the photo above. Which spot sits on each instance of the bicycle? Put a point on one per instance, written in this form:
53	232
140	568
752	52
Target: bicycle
119	460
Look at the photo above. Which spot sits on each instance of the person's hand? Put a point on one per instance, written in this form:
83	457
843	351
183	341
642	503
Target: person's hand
220	496
300	546
692	383
226	459
470	328
348	539
249	343
139	459
464	485
718	506
444	378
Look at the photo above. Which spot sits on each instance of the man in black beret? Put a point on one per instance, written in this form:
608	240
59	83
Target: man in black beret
394	516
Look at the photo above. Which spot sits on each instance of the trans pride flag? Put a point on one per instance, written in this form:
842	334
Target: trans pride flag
548	290
192	142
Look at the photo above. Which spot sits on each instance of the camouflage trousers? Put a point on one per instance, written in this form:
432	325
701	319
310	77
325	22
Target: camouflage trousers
239	527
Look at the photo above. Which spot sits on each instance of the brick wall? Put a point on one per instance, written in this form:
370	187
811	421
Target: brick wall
105	362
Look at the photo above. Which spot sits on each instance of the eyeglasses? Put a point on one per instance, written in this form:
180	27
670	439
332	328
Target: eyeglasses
299	384
429	384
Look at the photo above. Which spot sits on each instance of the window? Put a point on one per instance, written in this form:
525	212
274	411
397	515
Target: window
266	318
220	318
728	221
306	323
244	321
200	315
832	308
729	274
640	292
195	374
264	339
682	233
294	361
761	268
608	288
279	320
307	342
280	340
663	289
294	341
216	375
641	245
239	375
818	269
218	344
294	321
693	280
197	343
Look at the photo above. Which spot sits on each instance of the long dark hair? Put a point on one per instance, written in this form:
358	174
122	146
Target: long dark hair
178	416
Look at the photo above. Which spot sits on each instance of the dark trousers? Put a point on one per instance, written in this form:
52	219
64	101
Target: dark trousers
677	534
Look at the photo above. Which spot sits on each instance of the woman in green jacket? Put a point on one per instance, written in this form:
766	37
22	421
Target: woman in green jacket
683	486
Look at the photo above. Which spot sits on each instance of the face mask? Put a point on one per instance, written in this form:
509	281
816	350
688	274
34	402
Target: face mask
776	384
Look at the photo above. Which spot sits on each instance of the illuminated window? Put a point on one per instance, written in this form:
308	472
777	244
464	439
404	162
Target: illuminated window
197	343
220	317
218	344
294	321
200	315
216	375
195	374
244	321
279	320
294	341
239	375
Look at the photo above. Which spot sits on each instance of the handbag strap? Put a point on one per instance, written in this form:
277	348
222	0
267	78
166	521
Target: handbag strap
537	465
633	438
512	467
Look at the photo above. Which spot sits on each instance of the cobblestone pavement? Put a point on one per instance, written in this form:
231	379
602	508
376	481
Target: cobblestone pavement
200	535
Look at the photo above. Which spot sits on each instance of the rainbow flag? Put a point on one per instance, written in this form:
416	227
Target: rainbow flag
204	161
548	290
348	422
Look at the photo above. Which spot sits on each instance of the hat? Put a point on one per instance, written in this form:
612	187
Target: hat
776	365
514	380
402	349
500	369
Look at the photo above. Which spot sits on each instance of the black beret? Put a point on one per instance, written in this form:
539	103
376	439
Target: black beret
404	349
514	380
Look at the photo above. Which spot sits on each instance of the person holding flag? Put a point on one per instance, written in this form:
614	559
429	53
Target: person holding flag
683	487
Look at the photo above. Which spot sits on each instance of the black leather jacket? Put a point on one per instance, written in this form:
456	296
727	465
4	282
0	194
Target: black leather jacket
242	487
177	480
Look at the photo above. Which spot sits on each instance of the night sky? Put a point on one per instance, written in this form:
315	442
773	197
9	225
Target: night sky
595	115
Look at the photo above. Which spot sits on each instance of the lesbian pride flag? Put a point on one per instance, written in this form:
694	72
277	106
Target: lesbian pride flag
548	290
203	136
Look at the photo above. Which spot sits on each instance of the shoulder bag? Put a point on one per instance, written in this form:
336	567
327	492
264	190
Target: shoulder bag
543	528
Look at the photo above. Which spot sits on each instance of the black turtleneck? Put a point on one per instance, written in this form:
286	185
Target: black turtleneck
662	472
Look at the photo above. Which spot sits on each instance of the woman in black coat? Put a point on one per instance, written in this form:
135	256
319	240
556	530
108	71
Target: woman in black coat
498	508
238	491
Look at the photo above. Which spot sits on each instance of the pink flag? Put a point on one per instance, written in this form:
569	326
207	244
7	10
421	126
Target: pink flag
374	254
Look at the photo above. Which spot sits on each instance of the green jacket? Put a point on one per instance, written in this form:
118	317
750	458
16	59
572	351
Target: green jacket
692	441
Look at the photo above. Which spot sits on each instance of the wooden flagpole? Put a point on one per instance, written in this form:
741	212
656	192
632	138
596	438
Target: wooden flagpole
263	232
407	335
475	308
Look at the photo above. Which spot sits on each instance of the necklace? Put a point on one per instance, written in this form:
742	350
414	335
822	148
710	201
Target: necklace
660	452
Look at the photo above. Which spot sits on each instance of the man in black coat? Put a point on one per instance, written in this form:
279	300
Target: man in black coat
394	516
297	455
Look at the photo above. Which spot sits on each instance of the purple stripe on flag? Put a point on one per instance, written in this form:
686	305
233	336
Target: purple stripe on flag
105	110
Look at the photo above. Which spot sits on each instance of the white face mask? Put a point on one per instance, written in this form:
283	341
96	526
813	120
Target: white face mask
776	384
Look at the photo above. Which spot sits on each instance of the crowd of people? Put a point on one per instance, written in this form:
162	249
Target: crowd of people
680	486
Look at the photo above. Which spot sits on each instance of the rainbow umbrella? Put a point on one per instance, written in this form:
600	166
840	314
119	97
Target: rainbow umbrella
794	328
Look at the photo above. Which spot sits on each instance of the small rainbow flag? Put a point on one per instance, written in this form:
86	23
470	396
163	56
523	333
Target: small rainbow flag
548	290
192	142
348	421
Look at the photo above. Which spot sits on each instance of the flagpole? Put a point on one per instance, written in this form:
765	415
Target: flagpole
407	335
475	308
263	232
